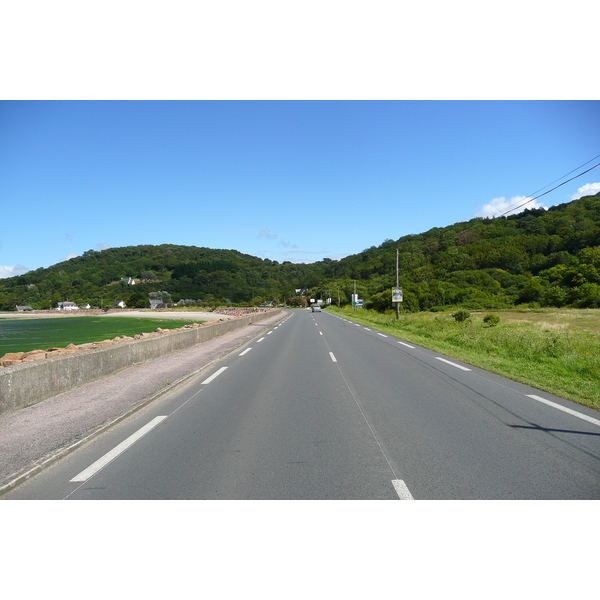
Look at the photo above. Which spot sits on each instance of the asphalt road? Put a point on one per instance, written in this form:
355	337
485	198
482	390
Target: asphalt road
322	408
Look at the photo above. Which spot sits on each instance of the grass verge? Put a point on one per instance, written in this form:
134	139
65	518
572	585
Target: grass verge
562	360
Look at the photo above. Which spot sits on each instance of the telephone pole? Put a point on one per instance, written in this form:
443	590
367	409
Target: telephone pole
397	303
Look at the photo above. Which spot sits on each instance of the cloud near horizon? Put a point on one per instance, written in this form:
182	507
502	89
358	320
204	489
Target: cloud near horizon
266	234
497	206
12	271
589	189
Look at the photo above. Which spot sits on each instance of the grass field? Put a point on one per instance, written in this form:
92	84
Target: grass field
23	335
557	351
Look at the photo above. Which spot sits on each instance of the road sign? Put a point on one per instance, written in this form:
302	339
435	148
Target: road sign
396	294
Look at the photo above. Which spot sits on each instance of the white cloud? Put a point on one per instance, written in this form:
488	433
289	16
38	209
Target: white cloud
13	271
589	189
70	256
267	235
102	246
500	205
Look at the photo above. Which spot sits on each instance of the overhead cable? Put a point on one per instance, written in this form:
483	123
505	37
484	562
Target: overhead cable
554	188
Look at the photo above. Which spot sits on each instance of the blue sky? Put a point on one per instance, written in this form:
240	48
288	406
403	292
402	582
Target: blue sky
285	131
285	180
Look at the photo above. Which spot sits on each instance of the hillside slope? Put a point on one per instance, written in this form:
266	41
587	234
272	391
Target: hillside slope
548	257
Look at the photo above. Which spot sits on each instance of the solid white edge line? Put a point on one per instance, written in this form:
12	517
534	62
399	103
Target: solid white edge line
216	374
109	456
402	490
565	409
245	351
407	345
451	363
333	358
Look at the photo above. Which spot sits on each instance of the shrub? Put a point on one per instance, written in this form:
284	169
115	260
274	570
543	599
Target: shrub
461	315
491	320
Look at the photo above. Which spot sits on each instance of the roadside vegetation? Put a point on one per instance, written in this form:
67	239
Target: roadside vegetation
557	351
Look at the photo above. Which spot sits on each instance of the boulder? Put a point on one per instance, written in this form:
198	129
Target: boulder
13	356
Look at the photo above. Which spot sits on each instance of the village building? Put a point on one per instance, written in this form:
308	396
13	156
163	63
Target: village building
66	306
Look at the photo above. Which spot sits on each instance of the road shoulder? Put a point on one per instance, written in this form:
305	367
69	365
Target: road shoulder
32	438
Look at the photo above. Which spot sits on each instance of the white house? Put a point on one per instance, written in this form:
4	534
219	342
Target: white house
118	303
128	280
66	306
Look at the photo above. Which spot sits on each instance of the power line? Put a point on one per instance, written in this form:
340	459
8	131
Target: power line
565	175
554	188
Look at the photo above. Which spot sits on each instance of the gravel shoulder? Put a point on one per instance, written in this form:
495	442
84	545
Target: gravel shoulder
33	437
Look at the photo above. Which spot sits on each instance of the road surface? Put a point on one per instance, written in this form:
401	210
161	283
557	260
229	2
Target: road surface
322	408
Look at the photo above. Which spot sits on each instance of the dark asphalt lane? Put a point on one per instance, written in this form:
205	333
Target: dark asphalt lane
320	408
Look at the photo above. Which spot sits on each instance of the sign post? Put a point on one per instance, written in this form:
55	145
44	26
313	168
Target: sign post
397	291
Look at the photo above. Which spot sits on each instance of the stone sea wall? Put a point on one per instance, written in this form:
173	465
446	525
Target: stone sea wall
41	374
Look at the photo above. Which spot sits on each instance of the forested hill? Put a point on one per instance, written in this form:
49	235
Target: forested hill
550	257
166	271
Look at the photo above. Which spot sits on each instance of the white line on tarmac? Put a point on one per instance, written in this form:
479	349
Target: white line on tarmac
402	490
109	456
245	351
214	375
451	363
333	358
381	334
565	409
261	339
407	345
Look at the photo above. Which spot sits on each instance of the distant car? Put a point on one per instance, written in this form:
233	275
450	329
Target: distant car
316	309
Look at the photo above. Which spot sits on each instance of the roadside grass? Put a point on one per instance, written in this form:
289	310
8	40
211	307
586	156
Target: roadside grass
23	335
547	351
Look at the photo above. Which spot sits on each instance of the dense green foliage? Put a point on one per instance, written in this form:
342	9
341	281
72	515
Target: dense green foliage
548	258
167	271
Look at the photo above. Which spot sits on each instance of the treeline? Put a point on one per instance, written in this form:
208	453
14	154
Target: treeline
179	272
546	257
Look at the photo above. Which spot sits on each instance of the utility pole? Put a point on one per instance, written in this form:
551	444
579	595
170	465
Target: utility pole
354	303
397	303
